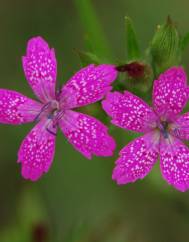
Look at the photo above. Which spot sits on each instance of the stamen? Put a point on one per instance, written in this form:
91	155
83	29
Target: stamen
50	126
50	116
45	107
165	134
164	129
51	132
53	121
165	125
57	117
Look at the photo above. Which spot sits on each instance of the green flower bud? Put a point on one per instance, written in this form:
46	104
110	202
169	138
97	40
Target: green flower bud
136	76
165	47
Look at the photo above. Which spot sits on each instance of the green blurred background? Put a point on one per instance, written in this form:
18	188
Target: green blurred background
76	201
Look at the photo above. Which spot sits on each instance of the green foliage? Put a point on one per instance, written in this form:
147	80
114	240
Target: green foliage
93	29
87	58
184	41
31	218
133	50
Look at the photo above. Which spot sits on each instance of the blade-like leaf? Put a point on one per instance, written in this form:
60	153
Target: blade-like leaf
133	51
184	41
87	58
93	28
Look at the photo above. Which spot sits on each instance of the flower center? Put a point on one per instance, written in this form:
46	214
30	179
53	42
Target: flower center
164	129
53	109
52	112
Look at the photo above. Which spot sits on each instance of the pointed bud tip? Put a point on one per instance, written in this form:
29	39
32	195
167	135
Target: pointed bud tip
127	18
170	22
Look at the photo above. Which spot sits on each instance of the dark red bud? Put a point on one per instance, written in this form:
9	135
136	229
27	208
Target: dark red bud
40	233
133	69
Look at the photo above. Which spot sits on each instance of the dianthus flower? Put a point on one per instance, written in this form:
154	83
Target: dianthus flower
163	126
88	135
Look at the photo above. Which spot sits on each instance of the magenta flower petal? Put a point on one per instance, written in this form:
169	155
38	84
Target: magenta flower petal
170	93
16	108
136	159
40	68
174	160
37	151
180	128
88	135
89	85
129	111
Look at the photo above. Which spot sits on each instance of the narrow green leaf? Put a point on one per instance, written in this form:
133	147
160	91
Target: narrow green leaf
133	51
87	43
184	41
87	58
93	28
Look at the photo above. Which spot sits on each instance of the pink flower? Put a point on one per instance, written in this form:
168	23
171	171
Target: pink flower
163	127
88	135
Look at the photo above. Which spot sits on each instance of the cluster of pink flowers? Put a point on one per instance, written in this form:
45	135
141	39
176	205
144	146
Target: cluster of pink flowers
162	125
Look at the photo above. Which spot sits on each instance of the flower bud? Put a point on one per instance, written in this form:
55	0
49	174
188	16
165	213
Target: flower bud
134	69
165	46
138	75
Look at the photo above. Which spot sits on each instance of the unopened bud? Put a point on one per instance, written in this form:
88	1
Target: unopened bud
165	48
134	69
